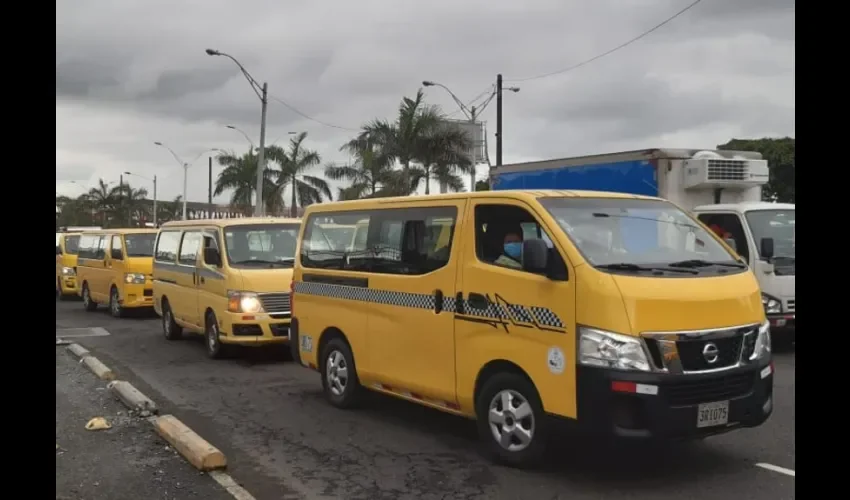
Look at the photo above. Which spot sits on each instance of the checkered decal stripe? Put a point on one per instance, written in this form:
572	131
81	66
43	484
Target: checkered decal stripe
530	315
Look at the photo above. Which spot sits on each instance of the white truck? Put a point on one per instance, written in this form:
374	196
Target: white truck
722	188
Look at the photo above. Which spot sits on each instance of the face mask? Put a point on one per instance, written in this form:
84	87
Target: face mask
513	250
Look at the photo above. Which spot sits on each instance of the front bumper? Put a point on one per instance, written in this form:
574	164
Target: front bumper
656	405
69	285
137	295
254	329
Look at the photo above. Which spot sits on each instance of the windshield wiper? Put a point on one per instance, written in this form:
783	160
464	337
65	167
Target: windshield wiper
691	263
625	266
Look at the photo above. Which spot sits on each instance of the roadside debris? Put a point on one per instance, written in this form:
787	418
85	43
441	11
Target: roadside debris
98	424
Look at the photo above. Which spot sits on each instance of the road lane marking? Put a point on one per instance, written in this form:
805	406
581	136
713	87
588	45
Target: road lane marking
82	332
231	486
776	468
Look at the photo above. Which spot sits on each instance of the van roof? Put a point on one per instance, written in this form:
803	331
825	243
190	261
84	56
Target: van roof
244	221
122	230
518	194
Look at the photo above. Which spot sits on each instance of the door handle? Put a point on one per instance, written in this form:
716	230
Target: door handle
477	301
201	279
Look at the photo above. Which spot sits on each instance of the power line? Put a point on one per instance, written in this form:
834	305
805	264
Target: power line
299	112
611	51
486	92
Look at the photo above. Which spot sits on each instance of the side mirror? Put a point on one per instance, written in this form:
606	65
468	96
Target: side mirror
212	257
732	243
766	249
115	253
535	256
58	250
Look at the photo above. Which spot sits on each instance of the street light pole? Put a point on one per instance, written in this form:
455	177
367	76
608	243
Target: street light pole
262	92
185	166
499	120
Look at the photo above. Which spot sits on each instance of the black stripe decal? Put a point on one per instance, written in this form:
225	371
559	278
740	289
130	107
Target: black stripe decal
498	312
336	280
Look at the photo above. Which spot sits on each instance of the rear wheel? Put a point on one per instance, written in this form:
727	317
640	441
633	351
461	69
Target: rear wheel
88	304
170	328
511	420
115	308
339	375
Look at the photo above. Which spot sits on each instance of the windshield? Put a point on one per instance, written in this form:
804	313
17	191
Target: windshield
71	244
779	225
261	245
622	231
139	245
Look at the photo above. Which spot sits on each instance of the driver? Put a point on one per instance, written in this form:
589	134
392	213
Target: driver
511	250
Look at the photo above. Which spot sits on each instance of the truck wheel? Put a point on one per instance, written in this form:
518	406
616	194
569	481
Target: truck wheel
511	421
88	304
339	375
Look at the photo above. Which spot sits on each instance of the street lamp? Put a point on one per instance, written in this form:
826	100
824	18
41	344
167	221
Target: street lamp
472	114
185	169
262	93
154	192
234	127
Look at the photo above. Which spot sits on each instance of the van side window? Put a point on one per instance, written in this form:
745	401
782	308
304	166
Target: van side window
190	248
115	250
100	252
728	226
322	250
496	224
88	246
407	241
166	246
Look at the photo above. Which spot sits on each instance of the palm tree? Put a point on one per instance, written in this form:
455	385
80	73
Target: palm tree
418	135
293	164
102	200
240	175
170	211
442	153
370	171
129	203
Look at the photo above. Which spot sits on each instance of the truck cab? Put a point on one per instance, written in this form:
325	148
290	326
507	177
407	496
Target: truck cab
764	235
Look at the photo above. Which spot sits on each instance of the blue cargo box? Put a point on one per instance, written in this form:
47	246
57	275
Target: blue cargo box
628	176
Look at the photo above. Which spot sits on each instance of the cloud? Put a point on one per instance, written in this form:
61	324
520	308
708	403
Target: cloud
134	72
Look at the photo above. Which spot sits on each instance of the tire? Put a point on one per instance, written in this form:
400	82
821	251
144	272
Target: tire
115	308
339	375
215	349
170	328
523	442
88	304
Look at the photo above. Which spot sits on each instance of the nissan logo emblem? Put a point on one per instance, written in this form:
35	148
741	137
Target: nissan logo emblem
710	352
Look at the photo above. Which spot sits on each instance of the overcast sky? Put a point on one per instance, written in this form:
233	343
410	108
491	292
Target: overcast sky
130	72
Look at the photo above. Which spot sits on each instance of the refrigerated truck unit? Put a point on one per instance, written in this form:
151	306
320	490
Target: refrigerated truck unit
706	182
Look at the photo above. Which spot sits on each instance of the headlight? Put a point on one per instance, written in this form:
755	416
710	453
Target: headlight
762	347
243	302
611	350
771	305
68	271
134	278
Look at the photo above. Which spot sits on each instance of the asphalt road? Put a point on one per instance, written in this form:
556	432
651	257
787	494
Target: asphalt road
282	440
128	461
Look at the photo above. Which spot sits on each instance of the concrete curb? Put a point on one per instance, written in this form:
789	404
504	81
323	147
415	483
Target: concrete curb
132	397
95	366
200	453
78	350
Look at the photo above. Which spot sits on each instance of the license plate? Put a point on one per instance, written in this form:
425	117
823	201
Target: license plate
712	414
306	343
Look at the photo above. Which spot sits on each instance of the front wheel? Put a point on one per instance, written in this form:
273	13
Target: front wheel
170	328
511	420
88	304
215	349
115	308
339	375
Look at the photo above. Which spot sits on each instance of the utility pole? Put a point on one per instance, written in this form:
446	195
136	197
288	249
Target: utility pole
261	155
185	187
474	151
209	190
499	120
121	198
154	201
